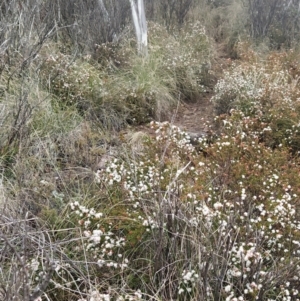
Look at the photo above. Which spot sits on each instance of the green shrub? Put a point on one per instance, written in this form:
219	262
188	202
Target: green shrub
114	85
255	85
266	90
233	207
71	79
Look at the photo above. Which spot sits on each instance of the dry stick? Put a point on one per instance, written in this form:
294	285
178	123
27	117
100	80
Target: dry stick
50	267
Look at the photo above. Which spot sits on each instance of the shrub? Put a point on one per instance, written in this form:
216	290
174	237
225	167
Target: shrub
72	80
256	85
267	91
174	70
115	85
218	226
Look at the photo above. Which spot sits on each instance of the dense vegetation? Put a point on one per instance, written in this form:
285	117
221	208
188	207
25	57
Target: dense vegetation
103	198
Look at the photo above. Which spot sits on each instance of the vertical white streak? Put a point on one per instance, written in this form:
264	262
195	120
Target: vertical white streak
135	20
139	21
104	10
143	24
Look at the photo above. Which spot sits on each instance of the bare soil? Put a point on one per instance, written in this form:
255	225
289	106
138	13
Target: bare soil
195	117
198	117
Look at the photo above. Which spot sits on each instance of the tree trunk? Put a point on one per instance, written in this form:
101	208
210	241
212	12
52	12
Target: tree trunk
139	21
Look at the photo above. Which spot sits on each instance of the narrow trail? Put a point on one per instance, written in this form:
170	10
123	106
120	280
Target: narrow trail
198	117
195	117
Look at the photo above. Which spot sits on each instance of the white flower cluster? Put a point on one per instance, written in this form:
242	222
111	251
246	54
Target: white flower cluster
149	222
101	243
115	170
33	265
85	213
245	86
168	133
97	296
243	258
136	296
188	281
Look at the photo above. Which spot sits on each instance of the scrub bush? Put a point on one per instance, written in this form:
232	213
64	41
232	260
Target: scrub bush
223	225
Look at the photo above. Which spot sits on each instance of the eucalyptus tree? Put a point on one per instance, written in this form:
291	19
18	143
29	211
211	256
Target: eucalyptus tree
140	24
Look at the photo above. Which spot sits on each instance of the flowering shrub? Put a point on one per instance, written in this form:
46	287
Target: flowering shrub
268	92
72	80
104	246
218	224
186	55
256	87
148	87
115	81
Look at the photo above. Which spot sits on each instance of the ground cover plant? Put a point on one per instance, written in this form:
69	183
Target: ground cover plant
218	222
103	197
221	225
115	81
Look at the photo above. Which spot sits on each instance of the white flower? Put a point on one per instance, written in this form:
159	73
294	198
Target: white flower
98	215
34	265
87	233
138	294
218	205
97	232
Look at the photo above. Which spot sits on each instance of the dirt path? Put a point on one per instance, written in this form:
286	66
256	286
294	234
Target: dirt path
195	117
198	117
